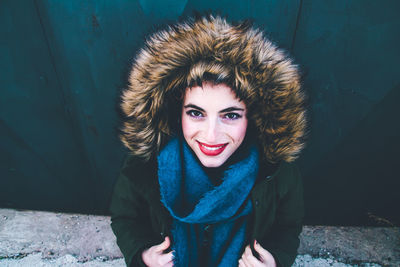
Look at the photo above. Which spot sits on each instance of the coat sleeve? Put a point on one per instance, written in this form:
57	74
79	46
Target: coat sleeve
283	240
130	220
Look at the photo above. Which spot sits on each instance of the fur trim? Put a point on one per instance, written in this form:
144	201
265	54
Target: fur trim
260	73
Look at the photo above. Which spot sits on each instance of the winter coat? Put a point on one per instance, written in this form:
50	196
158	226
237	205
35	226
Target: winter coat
263	77
139	219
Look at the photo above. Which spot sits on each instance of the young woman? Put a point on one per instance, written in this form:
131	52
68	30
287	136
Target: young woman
214	118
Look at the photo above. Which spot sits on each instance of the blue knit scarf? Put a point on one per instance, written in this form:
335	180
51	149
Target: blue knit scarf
203	212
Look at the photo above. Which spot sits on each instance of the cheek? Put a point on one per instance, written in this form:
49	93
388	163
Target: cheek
239	132
187	127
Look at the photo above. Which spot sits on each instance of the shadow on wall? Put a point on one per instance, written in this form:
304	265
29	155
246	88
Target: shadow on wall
360	181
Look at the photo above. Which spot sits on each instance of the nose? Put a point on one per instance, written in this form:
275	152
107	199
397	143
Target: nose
212	131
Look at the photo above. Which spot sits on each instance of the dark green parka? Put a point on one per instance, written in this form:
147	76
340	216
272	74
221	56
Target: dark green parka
139	219
263	77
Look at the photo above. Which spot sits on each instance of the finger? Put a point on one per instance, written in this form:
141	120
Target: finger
245	257
166	258
164	245
265	255
249	258
241	263
171	262
247	251
259	248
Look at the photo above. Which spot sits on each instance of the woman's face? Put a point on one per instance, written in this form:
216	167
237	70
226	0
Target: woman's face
214	122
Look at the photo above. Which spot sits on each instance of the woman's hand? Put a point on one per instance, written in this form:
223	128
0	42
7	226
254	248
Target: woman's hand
155	256
249	260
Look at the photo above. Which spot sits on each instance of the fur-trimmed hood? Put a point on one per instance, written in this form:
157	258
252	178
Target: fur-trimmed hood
175	58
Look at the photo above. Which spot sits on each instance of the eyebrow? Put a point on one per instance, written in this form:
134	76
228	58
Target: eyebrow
222	111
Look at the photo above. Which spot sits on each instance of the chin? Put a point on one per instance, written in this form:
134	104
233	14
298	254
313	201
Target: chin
210	161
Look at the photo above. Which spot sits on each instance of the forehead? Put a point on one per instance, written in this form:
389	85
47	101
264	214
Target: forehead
209	94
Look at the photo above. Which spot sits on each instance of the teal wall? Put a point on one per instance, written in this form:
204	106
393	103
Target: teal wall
64	63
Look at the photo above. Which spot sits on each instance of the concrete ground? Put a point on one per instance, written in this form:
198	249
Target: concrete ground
35	238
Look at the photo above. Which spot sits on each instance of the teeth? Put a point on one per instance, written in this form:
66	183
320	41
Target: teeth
211	148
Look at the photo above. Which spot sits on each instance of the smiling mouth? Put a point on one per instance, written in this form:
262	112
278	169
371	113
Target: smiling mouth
212	150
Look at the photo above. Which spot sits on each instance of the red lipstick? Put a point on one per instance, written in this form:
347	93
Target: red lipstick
212	150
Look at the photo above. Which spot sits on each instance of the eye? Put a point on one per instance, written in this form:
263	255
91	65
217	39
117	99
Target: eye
232	116
194	113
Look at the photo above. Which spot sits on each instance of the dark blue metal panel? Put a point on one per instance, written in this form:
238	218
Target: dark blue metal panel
277	18
91	43
357	183
39	155
160	9
349	53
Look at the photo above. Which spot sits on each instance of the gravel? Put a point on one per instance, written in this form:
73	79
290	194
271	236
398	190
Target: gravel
37	238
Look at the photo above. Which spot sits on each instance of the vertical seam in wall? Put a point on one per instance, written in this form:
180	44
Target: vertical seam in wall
64	102
296	26
51	58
